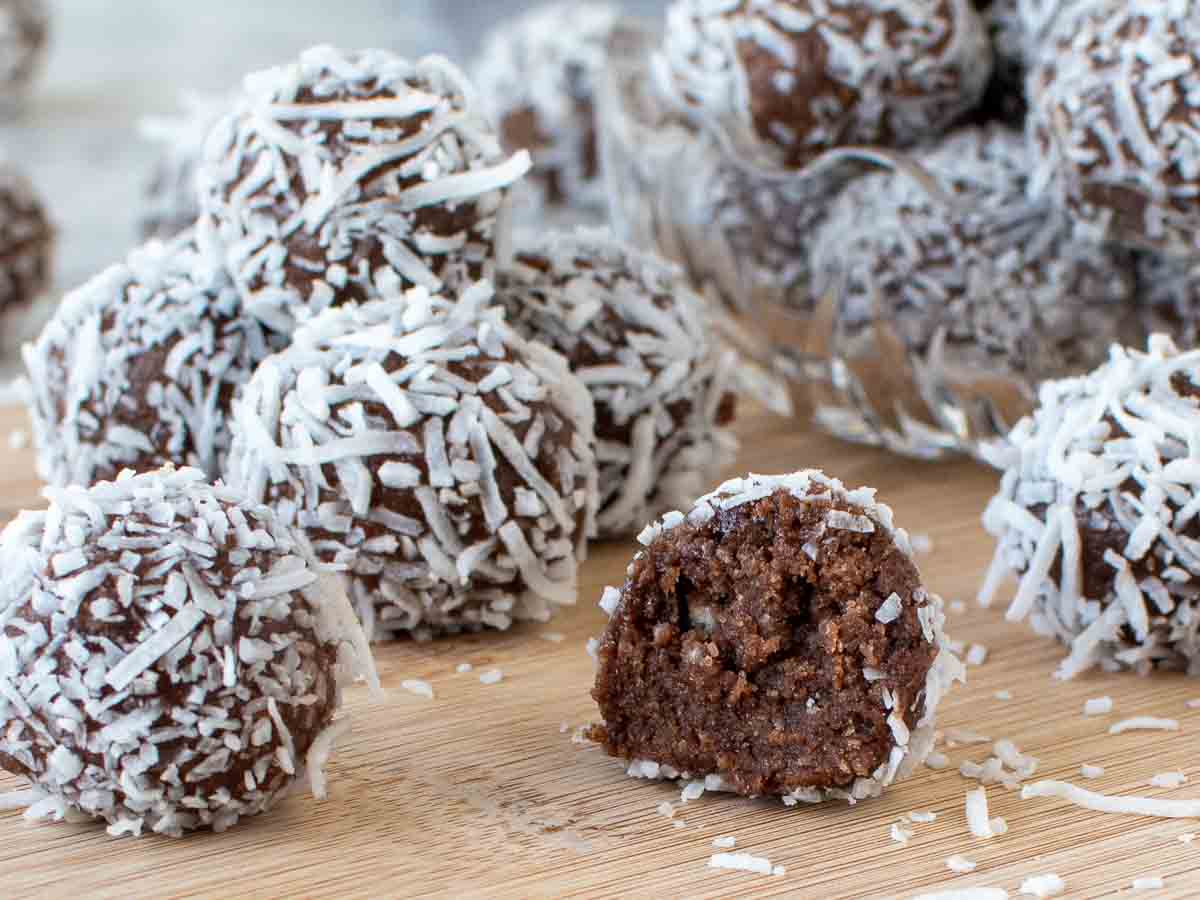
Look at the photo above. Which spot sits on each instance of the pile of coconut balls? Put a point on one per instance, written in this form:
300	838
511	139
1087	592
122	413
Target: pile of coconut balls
326	411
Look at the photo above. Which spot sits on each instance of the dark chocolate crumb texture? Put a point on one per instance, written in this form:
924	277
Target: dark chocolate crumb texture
777	637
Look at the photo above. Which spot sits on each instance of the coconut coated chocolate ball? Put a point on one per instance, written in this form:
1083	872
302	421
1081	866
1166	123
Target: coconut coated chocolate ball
139	366
774	640
172	657
443	461
804	76
345	165
644	345
1097	513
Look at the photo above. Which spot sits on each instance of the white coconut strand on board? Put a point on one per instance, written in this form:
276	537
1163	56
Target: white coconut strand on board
1138	806
1048	885
910	746
977	815
1113	449
1143	723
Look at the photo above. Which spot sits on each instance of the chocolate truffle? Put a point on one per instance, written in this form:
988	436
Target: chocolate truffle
26	257
643	344
422	445
1168	296
342	166
966	265
172	657
24	28
536	78
775	640
1097	513
794	78
138	367
1111	103
172	202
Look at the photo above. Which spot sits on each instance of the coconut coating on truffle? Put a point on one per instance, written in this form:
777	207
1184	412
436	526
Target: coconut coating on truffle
642	342
536	77
1112	104
983	272
341	166
1097	512
24	29
172	201
170	657
776	636
420	443
808	75
26	253
138	367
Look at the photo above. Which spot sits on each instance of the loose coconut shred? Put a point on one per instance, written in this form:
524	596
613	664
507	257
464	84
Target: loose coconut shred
442	461
642	342
1097	512
342	166
172	656
138	367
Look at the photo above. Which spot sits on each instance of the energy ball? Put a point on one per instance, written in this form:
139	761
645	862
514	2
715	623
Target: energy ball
970	264
445	463
537	77
139	366
1111	105
343	166
1168	296
775	639
172	201
24	28
804	76
642	342
26	257
1097	513
172	658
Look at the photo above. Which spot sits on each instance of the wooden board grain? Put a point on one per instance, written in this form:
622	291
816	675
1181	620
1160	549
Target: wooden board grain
482	792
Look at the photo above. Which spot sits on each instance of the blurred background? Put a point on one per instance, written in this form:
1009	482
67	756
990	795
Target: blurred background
112	62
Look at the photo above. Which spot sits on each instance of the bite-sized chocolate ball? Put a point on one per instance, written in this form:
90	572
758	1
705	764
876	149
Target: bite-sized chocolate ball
1168	296
26	257
24	29
1112	101
967	264
138	367
775	640
798	77
342	166
172	201
536	78
446	463
643	343
1097	513
172	658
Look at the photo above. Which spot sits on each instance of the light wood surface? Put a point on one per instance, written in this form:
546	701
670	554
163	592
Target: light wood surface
481	792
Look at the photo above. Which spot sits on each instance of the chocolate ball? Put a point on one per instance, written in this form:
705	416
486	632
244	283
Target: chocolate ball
172	657
446	463
643	343
1097	513
138	367
1111	103
798	77
172	201
342	166
537	76
775	640
26	257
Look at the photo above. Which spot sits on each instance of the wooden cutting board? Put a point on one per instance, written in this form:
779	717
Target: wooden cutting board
482	792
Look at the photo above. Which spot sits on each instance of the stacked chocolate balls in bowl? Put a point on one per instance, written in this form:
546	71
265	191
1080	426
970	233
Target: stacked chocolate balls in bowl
918	211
